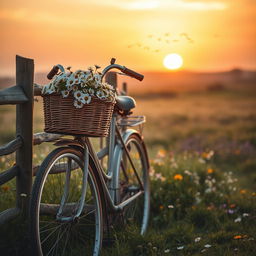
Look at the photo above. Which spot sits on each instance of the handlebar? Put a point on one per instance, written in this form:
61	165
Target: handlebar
132	73
123	69
53	72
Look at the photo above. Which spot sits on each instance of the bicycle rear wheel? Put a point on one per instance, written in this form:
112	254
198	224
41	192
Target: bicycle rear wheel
55	229
136	212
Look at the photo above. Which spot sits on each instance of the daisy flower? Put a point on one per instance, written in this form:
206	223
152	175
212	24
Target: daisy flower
85	98
100	95
65	93
78	104
78	95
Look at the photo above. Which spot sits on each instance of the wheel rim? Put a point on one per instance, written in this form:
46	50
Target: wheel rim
136	212
75	236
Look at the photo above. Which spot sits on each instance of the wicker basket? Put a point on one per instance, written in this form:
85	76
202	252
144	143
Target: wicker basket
92	119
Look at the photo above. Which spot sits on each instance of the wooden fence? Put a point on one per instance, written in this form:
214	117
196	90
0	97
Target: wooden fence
22	95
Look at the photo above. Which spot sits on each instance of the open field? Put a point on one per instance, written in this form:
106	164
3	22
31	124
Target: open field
202	147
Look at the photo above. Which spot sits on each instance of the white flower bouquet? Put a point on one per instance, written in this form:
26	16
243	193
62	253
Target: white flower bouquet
93	99
82	85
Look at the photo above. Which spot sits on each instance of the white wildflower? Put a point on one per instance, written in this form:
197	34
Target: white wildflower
197	239
170	206
91	91
201	160
180	247
78	95
167	251
207	246
246	214
188	172
85	98
78	104
100	95
65	93
239	219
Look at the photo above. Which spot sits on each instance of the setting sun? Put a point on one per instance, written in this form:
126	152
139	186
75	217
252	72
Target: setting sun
173	61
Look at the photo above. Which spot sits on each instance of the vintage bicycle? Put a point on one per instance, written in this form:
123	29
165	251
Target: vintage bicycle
79	194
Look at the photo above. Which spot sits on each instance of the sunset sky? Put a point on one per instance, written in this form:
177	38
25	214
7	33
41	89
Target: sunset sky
210	35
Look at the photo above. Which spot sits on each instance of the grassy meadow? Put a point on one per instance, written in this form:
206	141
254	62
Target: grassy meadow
202	146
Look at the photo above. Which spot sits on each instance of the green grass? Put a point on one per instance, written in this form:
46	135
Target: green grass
207	141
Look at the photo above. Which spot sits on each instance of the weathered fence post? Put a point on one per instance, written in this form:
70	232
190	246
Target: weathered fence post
24	129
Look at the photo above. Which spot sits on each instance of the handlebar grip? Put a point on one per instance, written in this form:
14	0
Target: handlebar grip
53	72
133	74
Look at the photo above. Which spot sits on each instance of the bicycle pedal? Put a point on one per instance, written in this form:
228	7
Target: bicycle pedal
133	189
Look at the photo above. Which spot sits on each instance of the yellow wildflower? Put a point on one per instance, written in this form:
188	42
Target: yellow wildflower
178	177
161	207
237	237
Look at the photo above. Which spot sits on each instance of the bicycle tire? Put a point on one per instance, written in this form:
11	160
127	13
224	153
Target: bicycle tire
50	236
136	212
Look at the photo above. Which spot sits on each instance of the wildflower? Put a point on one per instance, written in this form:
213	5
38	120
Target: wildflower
159	176
232	206
239	219
207	246
161	207
210	171
151	171
161	153
201	160
78	95
154	248
71	81
242	191
170	206
167	251
65	93
253	194
231	211
180	247
245	214
100	95
5	188
86	98
78	104
197	239
178	177
237	237
91	91
188	172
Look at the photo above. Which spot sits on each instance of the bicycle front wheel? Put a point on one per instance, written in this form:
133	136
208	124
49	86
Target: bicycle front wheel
55	227
132	183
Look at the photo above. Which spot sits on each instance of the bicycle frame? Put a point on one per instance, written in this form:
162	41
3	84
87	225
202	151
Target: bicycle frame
109	180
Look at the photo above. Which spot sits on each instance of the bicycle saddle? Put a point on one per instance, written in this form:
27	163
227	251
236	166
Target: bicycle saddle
125	103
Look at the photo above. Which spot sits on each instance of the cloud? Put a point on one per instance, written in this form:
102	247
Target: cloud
161	4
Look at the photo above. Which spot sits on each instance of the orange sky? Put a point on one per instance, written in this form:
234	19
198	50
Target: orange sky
210	35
